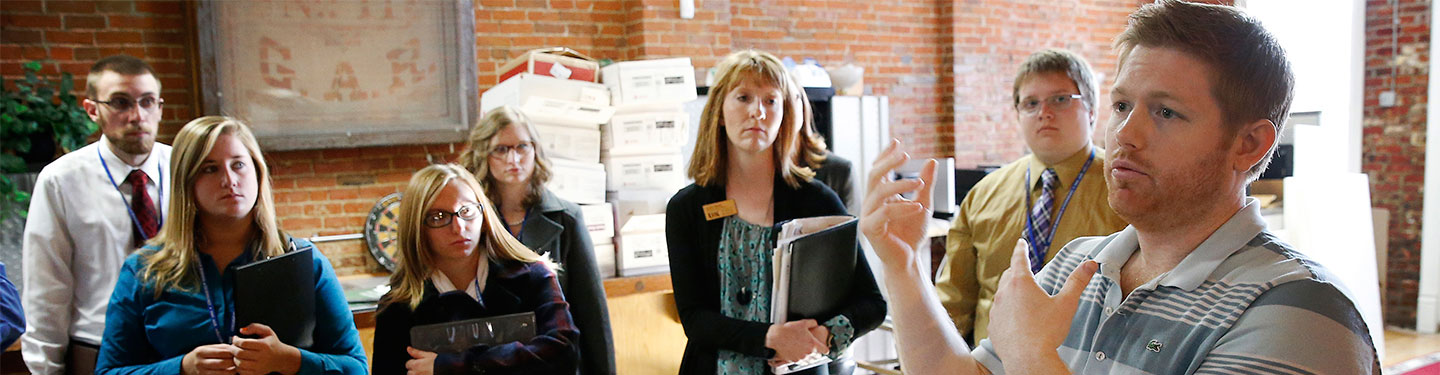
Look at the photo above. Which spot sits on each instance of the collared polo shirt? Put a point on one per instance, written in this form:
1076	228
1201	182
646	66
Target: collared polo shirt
1242	302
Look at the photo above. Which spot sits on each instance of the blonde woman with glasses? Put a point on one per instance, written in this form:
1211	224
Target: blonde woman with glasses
172	310
505	154
458	263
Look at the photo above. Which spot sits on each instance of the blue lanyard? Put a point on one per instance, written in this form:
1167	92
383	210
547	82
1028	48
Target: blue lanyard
210	306
160	186
1030	234
522	223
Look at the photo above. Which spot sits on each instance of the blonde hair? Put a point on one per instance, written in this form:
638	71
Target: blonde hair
708	162
475	157
813	149
415	259
172	266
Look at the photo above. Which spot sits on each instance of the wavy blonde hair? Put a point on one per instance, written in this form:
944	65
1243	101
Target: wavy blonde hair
476	156
179	240
416	261
708	163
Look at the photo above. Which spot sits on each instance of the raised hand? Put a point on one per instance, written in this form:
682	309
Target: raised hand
1029	323
895	226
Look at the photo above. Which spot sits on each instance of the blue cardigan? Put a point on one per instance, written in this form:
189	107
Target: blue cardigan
149	335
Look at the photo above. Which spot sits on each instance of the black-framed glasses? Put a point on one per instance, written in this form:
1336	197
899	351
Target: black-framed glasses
522	148
1032	106
441	219
124	104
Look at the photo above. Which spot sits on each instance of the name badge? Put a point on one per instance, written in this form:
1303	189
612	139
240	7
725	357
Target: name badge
720	209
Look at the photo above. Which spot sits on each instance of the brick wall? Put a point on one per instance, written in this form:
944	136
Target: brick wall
1393	148
71	35
991	39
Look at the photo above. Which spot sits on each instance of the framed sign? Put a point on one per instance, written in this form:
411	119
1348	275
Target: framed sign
308	74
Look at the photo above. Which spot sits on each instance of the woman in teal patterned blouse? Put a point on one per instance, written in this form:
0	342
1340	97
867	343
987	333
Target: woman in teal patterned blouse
721	230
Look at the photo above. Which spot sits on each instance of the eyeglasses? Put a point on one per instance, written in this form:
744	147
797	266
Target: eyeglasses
441	219
1032	106
501	151
124	104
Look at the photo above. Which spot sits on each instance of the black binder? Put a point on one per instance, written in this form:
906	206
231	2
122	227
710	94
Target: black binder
455	337
279	292
821	261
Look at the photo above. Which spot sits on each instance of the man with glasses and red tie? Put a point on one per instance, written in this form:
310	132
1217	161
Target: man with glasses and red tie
1049	197
90	209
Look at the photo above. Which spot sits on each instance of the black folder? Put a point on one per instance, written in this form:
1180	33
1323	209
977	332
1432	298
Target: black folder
455	337
280	293
820	265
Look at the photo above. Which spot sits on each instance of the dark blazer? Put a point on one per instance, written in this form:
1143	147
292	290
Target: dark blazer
511	287
556	229
835	173
693	245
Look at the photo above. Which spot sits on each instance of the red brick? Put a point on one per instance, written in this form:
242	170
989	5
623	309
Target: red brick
32	21
53	6
115	6
24	6
161	7
118	37
72	37
84	22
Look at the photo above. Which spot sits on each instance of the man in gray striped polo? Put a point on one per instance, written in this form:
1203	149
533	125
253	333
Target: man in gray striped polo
1195	284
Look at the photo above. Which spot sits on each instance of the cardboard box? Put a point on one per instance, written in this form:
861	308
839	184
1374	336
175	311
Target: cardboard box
558	62
579	144
582	183
599	221
662	80
635	202
605	259
642	248
650	171
645	133
551	100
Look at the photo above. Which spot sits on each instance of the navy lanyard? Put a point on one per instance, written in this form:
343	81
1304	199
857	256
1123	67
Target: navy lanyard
210	305
1030	234
522	223
160	186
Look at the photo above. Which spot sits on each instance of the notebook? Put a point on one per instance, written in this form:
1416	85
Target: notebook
455	337
280	293
813	263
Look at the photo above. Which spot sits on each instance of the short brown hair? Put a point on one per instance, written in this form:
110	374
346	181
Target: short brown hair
708	162
122	64
1057	61
1252	79
475	157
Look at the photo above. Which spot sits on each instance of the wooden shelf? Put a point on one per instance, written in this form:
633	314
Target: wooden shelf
624	286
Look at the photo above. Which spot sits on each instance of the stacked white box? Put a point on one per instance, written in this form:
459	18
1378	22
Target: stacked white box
579	143
630	172
634	202
605	259
649	132
642	246
662	80
582	183
599	222
551	100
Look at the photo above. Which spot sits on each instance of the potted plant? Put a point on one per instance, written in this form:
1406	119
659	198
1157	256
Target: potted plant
40	119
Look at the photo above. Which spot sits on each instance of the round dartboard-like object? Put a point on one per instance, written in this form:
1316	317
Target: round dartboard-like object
382	231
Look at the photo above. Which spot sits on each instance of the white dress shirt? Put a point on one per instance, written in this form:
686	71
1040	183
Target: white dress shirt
482	271
77	236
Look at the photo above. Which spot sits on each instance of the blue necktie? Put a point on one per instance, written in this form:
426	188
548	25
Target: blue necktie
1040	219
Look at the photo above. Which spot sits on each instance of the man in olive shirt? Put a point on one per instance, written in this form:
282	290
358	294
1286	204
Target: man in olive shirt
1054	195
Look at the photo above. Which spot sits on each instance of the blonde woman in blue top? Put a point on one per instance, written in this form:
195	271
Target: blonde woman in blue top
172	311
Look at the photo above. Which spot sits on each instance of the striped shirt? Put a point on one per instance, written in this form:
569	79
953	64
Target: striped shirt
1242	302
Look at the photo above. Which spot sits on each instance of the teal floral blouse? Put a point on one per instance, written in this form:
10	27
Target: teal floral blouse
745	280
